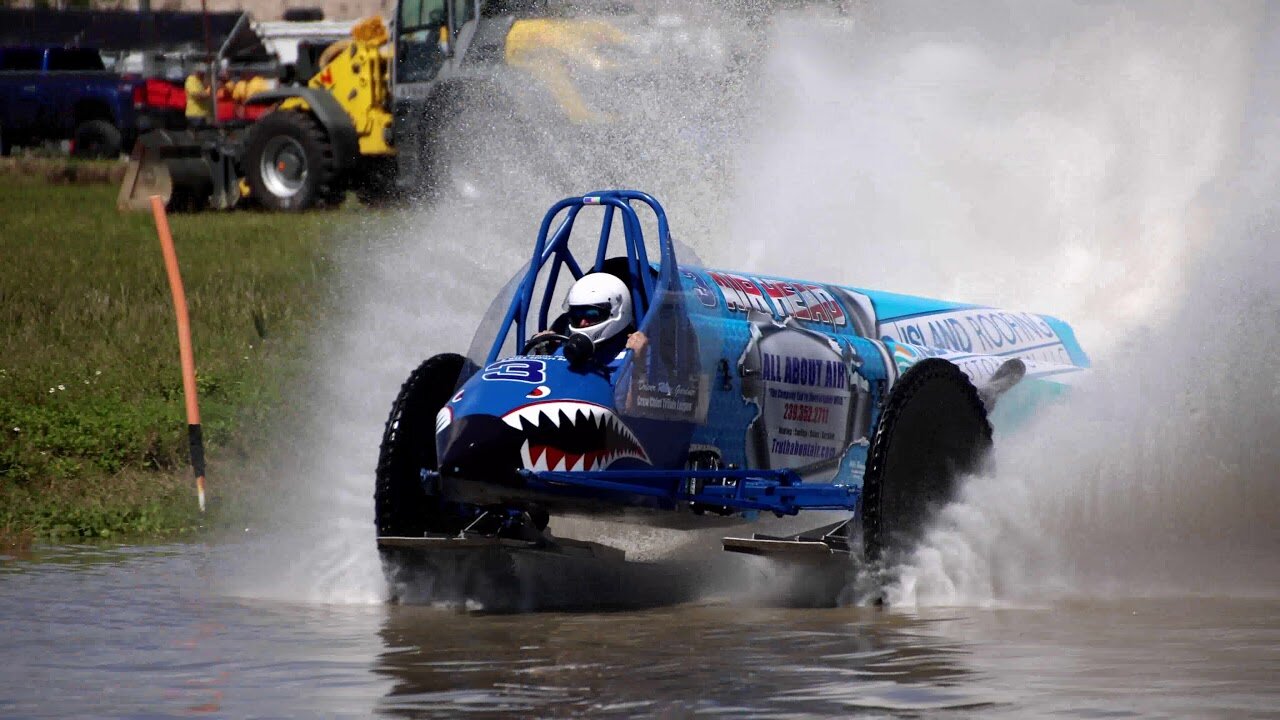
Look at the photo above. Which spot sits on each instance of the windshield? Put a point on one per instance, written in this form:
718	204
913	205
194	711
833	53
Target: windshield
492	322
419	44
664	379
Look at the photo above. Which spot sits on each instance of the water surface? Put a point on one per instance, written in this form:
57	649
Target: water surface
134	632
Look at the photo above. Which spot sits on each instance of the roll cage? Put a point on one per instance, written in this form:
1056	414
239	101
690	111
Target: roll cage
659	303
552	253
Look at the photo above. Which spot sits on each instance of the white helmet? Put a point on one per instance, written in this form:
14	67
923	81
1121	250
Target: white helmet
599	306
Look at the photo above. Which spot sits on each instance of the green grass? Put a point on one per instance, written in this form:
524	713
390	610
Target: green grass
93	435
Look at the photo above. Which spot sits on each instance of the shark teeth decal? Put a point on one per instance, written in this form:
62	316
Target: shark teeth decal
568	436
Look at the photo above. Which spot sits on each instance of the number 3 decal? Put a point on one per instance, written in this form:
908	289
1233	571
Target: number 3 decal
526	371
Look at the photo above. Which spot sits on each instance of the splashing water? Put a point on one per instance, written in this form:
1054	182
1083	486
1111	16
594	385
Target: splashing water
1107	164
420	286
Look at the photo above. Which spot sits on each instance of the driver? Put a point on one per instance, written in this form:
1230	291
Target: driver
598	307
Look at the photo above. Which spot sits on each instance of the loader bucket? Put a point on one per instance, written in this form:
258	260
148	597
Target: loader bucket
146	175
188	171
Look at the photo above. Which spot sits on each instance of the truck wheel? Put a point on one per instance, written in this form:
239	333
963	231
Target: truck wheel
5	146
289	162
933	429
96	139
402	506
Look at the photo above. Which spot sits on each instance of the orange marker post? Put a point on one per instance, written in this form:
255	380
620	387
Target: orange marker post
184	344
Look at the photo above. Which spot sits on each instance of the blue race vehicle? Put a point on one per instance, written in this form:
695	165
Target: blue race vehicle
754	396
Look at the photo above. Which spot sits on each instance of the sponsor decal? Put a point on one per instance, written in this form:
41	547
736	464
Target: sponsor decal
814	372
802	301
671	398
981	331
980	368
443	419
525	370
801	449
701	289
813	403
740	294
904	356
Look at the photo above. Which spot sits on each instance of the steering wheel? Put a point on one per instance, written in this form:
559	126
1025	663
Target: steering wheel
537	340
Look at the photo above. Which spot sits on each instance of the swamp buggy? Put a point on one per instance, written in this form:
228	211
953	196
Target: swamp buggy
755	396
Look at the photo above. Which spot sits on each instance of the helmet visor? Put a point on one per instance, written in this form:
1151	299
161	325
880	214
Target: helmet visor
584	316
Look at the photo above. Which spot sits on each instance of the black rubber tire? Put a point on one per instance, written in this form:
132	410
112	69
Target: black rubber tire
322	184
6	146
375	182
97	139
402	508
933	429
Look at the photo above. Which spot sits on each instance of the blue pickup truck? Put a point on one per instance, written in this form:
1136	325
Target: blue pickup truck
54	93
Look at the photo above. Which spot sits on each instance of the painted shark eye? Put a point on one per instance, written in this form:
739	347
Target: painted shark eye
457	397
539	392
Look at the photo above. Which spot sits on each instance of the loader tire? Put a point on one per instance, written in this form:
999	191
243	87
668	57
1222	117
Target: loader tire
932	431
402	507
375	183
290	163
96	139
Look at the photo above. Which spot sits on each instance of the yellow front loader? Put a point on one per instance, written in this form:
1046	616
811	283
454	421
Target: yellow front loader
316	143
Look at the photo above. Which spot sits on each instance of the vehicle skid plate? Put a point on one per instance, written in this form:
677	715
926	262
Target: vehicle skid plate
789	549
463	543
817	544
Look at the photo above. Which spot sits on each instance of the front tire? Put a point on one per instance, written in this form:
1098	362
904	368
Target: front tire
933	430
290	163
402	506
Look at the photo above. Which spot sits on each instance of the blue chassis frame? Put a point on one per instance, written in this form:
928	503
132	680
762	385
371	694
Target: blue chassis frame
781	492
747	491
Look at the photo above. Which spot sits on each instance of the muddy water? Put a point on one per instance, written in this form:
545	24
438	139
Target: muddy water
1111	163
149	632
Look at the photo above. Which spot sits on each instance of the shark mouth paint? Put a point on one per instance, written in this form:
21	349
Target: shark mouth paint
563	435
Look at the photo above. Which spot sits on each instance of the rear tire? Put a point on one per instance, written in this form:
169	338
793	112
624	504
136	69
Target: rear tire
933	429
97	139
402	506
290	163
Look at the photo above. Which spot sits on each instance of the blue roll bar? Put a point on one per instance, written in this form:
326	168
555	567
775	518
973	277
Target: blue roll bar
556	249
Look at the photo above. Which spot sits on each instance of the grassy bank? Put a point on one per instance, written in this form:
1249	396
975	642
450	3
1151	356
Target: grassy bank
93	441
